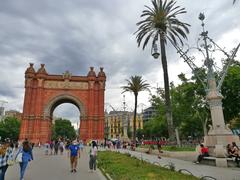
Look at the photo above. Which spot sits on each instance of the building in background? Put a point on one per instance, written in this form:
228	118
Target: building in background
118	123
13	113
2	108
148	113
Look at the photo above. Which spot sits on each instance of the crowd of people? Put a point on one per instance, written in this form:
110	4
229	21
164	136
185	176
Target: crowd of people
23	156
21	153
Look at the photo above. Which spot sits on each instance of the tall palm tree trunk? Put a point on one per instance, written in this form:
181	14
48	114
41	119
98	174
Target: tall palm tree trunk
134	119
167	91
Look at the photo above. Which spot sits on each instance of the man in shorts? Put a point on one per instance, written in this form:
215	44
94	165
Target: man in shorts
74	154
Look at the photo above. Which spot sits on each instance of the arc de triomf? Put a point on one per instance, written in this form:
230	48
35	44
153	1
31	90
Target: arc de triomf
44	92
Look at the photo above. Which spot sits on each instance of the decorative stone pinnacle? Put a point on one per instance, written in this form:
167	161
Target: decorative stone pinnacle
67	75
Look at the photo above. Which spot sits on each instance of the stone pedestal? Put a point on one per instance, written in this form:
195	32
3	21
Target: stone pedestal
219	134
217	143
221	162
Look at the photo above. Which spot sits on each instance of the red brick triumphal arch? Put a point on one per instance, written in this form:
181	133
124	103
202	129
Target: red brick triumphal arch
44	92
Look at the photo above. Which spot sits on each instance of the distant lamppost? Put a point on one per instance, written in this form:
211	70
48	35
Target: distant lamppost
219	134
125	120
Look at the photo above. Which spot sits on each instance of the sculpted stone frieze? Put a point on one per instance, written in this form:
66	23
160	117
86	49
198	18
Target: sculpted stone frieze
65	85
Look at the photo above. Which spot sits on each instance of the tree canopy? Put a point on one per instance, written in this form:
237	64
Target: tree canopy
10	128
190	109
63	128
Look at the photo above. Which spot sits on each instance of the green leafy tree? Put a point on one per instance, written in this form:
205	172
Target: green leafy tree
135	85
190	109
129	132
63	128
10	128
161	23
235	123
139	134
230	92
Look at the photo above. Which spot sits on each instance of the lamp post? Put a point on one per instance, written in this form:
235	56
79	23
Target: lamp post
219	134
125	121
154	51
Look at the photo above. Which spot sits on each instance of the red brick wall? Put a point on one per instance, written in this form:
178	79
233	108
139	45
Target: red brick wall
36	125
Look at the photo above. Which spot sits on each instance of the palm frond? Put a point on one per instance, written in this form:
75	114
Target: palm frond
161	18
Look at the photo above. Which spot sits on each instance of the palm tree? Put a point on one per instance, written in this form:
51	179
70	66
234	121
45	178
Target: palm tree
161	22
135	85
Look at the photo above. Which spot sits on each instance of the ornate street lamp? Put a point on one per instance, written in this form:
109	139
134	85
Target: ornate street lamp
219	134
154	51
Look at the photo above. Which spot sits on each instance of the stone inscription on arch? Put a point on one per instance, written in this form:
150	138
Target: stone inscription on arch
44	92
65	84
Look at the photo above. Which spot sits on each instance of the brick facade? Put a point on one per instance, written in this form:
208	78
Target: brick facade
44	92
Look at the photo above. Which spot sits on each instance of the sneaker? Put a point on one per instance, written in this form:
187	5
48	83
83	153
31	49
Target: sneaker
74	170
197	162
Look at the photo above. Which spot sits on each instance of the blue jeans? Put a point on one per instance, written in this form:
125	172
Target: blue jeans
3	171
23	166
92	162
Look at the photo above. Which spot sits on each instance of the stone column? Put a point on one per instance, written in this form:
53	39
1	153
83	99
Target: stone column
219	134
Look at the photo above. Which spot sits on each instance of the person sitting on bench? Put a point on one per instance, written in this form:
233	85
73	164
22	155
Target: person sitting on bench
235	153
204	153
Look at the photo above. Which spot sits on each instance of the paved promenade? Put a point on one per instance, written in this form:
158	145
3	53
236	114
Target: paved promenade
54	167
196	169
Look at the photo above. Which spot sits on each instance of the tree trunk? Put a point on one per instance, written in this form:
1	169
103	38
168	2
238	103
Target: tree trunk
134	120
167	91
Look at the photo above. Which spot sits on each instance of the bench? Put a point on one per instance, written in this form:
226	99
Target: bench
212	161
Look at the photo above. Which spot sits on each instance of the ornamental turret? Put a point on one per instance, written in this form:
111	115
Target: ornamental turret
30	72
91	74
101	75
41	73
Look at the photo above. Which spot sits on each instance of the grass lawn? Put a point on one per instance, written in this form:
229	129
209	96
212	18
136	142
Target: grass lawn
121	166
172	148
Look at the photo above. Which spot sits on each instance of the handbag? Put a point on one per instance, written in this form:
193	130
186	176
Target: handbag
10	162
19	157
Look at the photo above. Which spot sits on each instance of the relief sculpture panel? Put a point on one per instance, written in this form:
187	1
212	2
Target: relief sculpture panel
65	85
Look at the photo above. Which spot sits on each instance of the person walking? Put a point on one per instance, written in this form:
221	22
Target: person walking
6	156
74	154
46	148
51	147
56	147
61	147
93	156
23	156
81	145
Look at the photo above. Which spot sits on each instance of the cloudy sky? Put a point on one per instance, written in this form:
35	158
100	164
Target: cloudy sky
76	34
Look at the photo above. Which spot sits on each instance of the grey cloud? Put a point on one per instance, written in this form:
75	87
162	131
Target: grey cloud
76	34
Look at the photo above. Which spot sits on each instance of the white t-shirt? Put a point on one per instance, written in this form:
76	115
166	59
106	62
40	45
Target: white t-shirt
94	151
